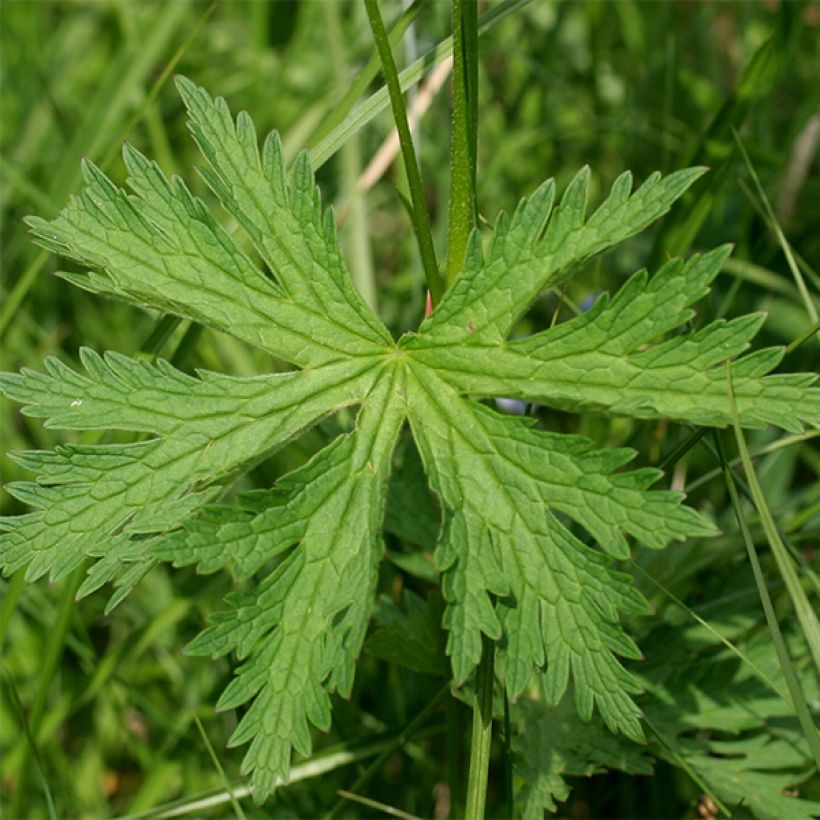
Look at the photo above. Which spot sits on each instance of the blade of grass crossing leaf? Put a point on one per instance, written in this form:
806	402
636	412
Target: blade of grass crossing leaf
421	218
805	612
798	700
779	444
778	231
218	766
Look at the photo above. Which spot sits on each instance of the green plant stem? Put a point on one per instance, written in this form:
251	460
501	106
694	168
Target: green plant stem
420	217
161	332
509	794
463	145
455	755
463	216
482	733
680	450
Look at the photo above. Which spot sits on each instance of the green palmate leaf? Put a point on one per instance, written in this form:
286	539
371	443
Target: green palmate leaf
756	773
520	506
605	359
410	636
100	500
725	726
552	744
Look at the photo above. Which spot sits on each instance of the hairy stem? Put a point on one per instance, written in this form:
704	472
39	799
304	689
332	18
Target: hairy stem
464	142
464	139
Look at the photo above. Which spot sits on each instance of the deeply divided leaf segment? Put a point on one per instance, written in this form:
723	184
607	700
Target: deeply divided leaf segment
511	566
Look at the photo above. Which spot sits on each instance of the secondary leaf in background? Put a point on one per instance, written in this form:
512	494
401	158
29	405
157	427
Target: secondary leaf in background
552	744
513	569
720	719
410	635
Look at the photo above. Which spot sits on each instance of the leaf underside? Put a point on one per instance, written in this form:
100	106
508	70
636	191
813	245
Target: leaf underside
512	568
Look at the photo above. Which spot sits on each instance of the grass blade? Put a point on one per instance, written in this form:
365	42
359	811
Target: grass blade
798	700
420	216
805	613
376	103
212	754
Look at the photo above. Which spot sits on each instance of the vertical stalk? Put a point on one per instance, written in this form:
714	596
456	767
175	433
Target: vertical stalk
419	215
482	733
455	745
463	216
464	139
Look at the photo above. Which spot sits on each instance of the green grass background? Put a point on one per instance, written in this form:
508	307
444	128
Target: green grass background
99	714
